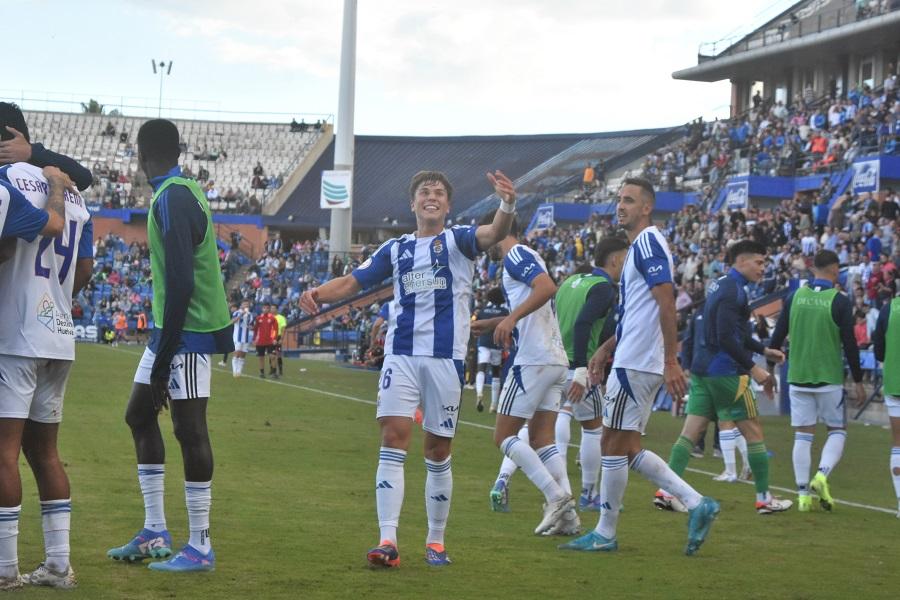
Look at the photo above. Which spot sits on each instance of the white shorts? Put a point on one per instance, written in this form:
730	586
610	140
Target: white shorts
434	383
32	388
490	356
189	378
530	388
893	406
589	408
629	399
241	347
826	403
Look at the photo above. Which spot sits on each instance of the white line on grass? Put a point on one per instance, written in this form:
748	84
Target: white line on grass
489	428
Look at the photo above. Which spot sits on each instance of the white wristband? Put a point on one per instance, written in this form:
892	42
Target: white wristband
507	207
579	376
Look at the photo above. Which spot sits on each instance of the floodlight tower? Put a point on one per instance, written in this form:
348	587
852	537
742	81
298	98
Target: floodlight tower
341	218
164	69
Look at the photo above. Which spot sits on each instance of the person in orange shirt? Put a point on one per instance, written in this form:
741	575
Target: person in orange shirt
121	325
141	329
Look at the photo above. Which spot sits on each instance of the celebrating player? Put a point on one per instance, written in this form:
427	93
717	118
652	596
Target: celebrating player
584	304
886	342
489	354
266	327
818	321
191	323
242	321
645	358
428	334
721	371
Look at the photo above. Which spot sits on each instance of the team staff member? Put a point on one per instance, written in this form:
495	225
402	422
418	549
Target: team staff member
266	335
282	326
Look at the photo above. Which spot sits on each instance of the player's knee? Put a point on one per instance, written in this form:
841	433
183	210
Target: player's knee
190	433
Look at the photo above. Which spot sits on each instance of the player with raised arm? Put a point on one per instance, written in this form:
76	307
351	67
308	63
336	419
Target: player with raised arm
646	347
585	304
489	354
242	321
818	322
428	334
886	343
37	347
721	370
191	323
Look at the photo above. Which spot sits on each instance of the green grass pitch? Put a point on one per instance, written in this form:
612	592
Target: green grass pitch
294	513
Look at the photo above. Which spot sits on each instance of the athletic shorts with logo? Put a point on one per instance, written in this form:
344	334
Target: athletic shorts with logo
530	388
629	398
32	388
489	356
407	382
893	406
591	405
189	376
726	397
241	347
826	403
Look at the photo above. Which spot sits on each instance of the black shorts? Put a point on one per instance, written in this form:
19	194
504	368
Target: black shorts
277	347
263	350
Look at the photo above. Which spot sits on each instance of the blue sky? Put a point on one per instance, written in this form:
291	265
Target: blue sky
424	67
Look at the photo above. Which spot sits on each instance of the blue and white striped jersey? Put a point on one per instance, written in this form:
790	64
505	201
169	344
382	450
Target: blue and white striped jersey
537	337
432	276
243	327
639	337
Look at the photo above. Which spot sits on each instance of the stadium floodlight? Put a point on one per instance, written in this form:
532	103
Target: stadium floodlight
164	69
341	218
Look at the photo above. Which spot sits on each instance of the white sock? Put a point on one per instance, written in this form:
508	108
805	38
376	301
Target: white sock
507	468
741	444
495	391
895	473
591	455
832	451
612	490
656	470
727	444
9	539
389	482
527	460
556	466
479	383
198	498
56	516
234	365
563	432
152	479
438	493
802	460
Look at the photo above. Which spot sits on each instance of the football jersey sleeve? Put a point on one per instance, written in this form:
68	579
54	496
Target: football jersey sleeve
522	265
385	312
376	268
652	261
465	240
23	220
86	243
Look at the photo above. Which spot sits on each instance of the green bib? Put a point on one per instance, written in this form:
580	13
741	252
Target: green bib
570	299
892	350
815	352
208	307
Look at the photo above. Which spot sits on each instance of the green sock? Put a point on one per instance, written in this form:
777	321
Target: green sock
758	457
681	454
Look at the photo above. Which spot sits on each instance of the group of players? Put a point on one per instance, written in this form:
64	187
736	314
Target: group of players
264	331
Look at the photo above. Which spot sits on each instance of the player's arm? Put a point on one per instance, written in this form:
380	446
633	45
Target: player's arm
597	304
58	183
687	343
842	314
372	271
779	334
488	235
19	150
482	326
730	331
84	265
542	290
879	336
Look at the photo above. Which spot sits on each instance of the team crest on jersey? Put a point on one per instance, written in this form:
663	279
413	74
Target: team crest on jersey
46	313
437	246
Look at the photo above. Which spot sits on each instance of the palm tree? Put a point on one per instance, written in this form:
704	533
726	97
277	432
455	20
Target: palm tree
92	107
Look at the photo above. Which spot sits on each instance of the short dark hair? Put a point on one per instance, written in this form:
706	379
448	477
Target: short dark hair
825	258
607	247
158	141
429	177
644	184
583	269
745	247
488	218
11	116
495	295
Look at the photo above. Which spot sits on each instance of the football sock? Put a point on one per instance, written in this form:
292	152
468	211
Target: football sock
741	444
802	457
612	489
563	432
832	451
727	444
56	516
895	472
479	383
198	497
759	464
438	492
656	470
681	454
530	463
152	480
234	365
556	466
9	538
495	391
591	455
280	366
241	365
389	482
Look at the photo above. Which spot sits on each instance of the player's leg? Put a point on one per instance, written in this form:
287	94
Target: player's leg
832	409
895	453
10	497
803	420
280	360
541	434
273	360
728	445
589	414
500	492
496	378
563	429
479	378
261	354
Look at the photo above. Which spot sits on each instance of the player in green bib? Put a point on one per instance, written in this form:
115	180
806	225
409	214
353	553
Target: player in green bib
886	341
819	322
191	323
584	306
